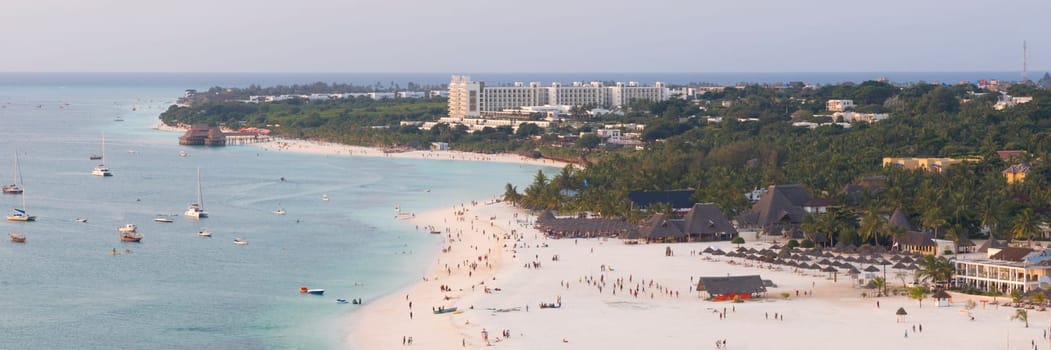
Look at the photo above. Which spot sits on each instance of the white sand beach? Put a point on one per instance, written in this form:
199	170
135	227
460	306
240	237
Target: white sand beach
666	313
330	148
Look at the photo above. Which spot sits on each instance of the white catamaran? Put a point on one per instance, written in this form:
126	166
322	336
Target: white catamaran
101	169
196	210
19	214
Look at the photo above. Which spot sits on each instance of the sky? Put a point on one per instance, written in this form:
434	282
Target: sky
439	36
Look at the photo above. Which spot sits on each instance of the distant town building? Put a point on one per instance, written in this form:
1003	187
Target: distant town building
472	99
1008	101
855	117
839	105
1016	173
439	146
927	164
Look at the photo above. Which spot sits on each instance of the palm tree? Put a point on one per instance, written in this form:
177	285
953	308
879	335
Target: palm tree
932	218
934	269
1025	226
918	293
1022	315
990	213
511	194
871	223
880	285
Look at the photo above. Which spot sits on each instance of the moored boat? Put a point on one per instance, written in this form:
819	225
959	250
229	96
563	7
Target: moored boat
162	219
129	233
204	233
101	169
239	241
196	210
18	237
305	290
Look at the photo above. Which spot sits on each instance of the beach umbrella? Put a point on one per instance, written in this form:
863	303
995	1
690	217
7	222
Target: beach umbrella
872	268
708	250
907	260
824	262
718	252
912	267
901	314
829	269
853	271
850	258
775	246
752	250
900	266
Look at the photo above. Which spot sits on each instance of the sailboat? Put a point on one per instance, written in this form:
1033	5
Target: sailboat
196	210
20	214
13	187
101	169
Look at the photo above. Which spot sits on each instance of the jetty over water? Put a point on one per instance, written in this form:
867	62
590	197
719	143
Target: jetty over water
205	135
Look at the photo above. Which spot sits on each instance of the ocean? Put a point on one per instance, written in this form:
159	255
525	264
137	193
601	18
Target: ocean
63	289
386	80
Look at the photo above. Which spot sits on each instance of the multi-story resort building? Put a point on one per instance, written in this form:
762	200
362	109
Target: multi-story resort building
473	99
1006	269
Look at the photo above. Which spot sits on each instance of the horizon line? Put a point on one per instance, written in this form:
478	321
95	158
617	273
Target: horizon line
512	72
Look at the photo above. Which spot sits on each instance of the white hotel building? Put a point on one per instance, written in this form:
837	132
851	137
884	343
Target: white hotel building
472	99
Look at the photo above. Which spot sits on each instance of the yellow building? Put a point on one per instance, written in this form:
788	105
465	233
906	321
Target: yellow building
1016	173
927	164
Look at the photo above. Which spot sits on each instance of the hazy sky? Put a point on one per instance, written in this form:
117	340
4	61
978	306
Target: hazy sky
522	36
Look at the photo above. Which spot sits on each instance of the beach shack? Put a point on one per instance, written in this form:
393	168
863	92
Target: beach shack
942	298
703	222
728	287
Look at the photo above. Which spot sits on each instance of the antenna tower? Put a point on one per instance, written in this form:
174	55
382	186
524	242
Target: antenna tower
1025	62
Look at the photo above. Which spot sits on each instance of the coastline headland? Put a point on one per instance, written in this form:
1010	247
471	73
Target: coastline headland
330	148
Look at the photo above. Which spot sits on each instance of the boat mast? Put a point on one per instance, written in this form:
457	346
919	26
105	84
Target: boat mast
103	159
200	202
21	185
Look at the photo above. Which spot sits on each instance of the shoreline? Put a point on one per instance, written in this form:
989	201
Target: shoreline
277	144
613	295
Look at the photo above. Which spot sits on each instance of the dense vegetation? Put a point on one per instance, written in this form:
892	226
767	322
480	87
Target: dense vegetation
724	160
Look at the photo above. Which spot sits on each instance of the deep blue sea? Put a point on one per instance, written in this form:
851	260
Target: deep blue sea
174	290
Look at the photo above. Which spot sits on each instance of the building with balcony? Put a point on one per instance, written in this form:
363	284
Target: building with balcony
472	99
1005	269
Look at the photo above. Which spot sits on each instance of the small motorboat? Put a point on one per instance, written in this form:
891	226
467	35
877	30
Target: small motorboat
204	233
18	237
280	211
305	290
324	197
95	157
162	219
239	241
444	310
341	301
183	153
81	220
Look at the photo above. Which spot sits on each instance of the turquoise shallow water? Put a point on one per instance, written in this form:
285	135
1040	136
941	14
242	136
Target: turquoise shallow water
63	289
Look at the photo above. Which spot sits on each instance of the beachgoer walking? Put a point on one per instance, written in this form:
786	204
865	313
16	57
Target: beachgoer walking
403	341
